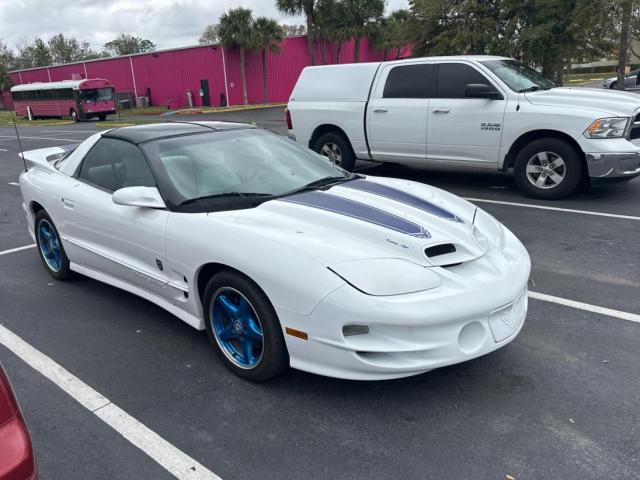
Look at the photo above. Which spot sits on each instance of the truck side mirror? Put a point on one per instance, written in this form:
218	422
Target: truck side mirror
481	90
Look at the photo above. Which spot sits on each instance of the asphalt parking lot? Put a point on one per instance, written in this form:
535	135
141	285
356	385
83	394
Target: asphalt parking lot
562	401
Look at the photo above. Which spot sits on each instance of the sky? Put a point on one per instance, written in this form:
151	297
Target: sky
167	23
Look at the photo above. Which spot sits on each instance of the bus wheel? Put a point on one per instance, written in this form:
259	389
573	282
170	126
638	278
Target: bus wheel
74	115
102	117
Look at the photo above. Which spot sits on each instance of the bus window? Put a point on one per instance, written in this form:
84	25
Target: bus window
97	94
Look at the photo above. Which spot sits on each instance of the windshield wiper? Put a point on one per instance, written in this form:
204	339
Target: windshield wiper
225	195
321	183
533	88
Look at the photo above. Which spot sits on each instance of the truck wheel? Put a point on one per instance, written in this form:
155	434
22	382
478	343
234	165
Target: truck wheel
548	168
74	115
337	149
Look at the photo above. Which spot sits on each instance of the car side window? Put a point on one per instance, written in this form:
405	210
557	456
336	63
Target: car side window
453	79
409	81
113	164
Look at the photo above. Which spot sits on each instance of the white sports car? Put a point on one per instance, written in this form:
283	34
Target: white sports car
284	258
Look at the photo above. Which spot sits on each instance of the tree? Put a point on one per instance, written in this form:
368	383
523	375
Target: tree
308	9
7	60
34	54
236	31
391	33
210	34
327	24
626	11
267	35
293	30
358	15
126	44
65	50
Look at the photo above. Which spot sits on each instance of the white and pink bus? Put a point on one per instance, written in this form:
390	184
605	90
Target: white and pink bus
80	99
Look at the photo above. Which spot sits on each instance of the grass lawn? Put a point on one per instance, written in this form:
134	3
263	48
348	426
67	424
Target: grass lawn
6	118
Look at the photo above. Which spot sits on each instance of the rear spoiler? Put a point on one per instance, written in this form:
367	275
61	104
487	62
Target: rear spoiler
45	157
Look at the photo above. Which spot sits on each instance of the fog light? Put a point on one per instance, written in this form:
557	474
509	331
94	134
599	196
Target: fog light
349	330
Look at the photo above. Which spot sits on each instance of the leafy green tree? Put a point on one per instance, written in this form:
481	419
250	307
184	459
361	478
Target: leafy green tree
126	44
210	34
7	61
359	16
308	9
236	31
68	49
34	54
387	34
267	35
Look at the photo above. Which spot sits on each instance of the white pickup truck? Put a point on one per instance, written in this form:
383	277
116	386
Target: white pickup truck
468	110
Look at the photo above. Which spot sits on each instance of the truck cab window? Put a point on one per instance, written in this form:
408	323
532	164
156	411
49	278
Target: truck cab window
453	79
409	81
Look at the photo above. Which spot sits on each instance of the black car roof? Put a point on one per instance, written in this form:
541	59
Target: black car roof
154	131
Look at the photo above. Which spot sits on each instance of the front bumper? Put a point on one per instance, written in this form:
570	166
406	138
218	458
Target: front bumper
480	307
613	165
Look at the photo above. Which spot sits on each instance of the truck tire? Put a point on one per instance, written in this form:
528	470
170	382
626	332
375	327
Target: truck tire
336	148
548	168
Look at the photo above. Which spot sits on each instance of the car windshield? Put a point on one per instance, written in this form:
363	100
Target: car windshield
517	76
212	171
97	94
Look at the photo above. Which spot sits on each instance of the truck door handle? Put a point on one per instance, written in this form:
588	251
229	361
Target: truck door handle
68	204
379	110
441	110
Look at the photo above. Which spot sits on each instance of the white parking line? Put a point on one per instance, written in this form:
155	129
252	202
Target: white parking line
557	209
17	249
632	317
3	150
15	184
42	138
176	462
67	131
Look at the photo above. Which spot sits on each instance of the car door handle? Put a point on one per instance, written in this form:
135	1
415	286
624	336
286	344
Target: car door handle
441	110
379	110
68	204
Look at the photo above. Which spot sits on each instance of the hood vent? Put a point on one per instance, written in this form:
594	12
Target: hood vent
438	250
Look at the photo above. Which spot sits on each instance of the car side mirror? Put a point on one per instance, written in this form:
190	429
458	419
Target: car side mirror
145	197
481	90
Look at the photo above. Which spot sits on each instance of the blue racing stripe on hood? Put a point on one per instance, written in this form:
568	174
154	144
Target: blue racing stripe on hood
402	197
357	210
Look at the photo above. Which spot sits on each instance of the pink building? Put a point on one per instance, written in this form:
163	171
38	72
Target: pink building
210	72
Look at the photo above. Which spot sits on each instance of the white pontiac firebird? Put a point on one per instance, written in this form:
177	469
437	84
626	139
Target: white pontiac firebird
284	258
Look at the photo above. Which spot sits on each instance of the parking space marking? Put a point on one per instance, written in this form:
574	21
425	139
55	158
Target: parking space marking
175	461
42	138
15	184
631	317
17	249
67	131
3	150
557	209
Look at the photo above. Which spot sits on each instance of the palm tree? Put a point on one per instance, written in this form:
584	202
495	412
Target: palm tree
236	31
390	33
299	7
267	35
358	15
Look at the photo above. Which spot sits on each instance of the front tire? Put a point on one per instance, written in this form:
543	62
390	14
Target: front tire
244	328
74	115
50	247
336	148
548	168
613	85
102	117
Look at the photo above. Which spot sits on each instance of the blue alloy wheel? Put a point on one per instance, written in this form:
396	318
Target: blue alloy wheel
50	245
237	328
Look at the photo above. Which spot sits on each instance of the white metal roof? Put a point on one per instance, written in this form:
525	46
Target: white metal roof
75	84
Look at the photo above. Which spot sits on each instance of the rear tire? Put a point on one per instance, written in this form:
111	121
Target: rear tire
548	168
336	148
50	247
102	117
243	327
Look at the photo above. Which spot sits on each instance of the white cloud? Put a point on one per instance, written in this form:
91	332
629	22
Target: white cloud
167	23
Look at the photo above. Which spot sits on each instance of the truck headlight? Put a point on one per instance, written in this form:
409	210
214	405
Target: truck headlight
613	127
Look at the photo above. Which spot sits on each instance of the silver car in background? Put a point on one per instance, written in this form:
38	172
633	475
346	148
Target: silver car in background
630	81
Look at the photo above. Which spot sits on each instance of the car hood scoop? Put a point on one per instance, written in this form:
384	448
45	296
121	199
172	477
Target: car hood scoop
377	218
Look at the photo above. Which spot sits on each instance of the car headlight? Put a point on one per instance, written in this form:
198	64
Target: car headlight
614	127
487	228
386	276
